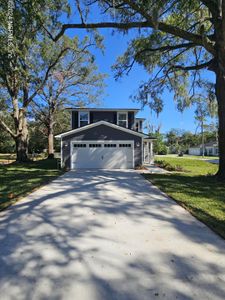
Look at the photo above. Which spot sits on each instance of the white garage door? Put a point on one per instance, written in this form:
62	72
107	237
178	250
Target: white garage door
102	155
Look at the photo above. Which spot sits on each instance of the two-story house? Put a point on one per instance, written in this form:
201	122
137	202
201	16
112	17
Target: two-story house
104	138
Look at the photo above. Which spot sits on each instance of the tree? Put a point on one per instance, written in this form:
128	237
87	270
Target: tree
19	58
74	81
159	144
204	110
175	41
38	133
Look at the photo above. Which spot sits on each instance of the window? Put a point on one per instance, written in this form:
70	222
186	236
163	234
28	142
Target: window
125	145
137	126
110	145
122	119
95	145
83	118
79	145
210	151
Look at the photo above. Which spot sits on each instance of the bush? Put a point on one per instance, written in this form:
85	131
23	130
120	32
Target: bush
167	166
163	150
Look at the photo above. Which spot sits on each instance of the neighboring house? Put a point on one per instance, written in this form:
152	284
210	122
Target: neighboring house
211	149
106	139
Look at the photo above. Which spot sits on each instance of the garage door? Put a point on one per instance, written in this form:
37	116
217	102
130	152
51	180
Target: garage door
102	155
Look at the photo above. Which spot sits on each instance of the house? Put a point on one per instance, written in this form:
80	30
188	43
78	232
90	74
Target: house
106	139
211	149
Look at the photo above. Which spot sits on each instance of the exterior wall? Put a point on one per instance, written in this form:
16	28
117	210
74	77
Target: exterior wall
209	151
101	132
108	116
212	151
194	151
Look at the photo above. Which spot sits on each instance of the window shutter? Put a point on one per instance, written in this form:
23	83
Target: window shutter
130	119
91	117
115	117
74	119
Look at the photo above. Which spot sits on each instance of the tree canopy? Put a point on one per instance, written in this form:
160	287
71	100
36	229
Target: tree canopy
175	41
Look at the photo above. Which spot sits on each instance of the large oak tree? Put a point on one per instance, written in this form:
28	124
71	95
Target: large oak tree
74	81
176	40
21	33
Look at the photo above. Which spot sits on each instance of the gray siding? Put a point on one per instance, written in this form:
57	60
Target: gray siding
101	132
108	116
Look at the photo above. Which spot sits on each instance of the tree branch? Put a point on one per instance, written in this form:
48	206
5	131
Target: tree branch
192	68
166	48
175	31
50	67
4	126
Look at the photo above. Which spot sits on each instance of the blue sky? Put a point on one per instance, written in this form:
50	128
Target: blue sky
117	93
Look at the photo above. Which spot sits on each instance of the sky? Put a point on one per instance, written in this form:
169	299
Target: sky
117	93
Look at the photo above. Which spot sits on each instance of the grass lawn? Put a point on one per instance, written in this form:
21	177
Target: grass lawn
17	180
187	156
195	190
7	156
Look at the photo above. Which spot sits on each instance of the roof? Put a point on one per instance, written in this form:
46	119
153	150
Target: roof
103	109
59	136
209	144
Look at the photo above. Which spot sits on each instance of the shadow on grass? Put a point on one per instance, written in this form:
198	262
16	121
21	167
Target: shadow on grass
203	196
19	179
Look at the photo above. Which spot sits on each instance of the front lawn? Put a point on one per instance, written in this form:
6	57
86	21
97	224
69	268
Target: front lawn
17	180
195	189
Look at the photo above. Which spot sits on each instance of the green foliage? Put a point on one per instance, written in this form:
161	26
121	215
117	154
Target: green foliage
180	141
159	144
167	166
34	60
7	144
172	48
38	141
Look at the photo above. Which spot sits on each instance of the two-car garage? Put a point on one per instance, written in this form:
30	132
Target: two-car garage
102	155
101	145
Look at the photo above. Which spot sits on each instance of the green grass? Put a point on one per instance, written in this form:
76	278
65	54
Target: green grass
196	190
17	180
7	156
187	156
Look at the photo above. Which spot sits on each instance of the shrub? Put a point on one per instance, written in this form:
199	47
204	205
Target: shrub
167	166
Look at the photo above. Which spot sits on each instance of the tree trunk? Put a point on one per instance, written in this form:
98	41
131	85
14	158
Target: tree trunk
50	140
203	139
220	94
22	138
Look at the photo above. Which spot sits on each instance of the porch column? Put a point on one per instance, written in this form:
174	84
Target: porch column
150	151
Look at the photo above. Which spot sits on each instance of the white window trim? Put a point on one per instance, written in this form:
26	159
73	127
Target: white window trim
122	112
84	111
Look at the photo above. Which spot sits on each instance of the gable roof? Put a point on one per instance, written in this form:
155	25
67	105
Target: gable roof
209	144
86	127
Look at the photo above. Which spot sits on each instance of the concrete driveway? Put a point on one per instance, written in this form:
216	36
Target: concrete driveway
107	235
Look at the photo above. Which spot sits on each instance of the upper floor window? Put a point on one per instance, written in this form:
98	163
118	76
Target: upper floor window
83	118
138	126
122	119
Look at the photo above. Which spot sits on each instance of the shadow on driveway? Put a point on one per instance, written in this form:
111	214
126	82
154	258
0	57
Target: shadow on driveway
107	235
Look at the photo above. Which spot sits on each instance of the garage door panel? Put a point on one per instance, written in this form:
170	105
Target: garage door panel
102	155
